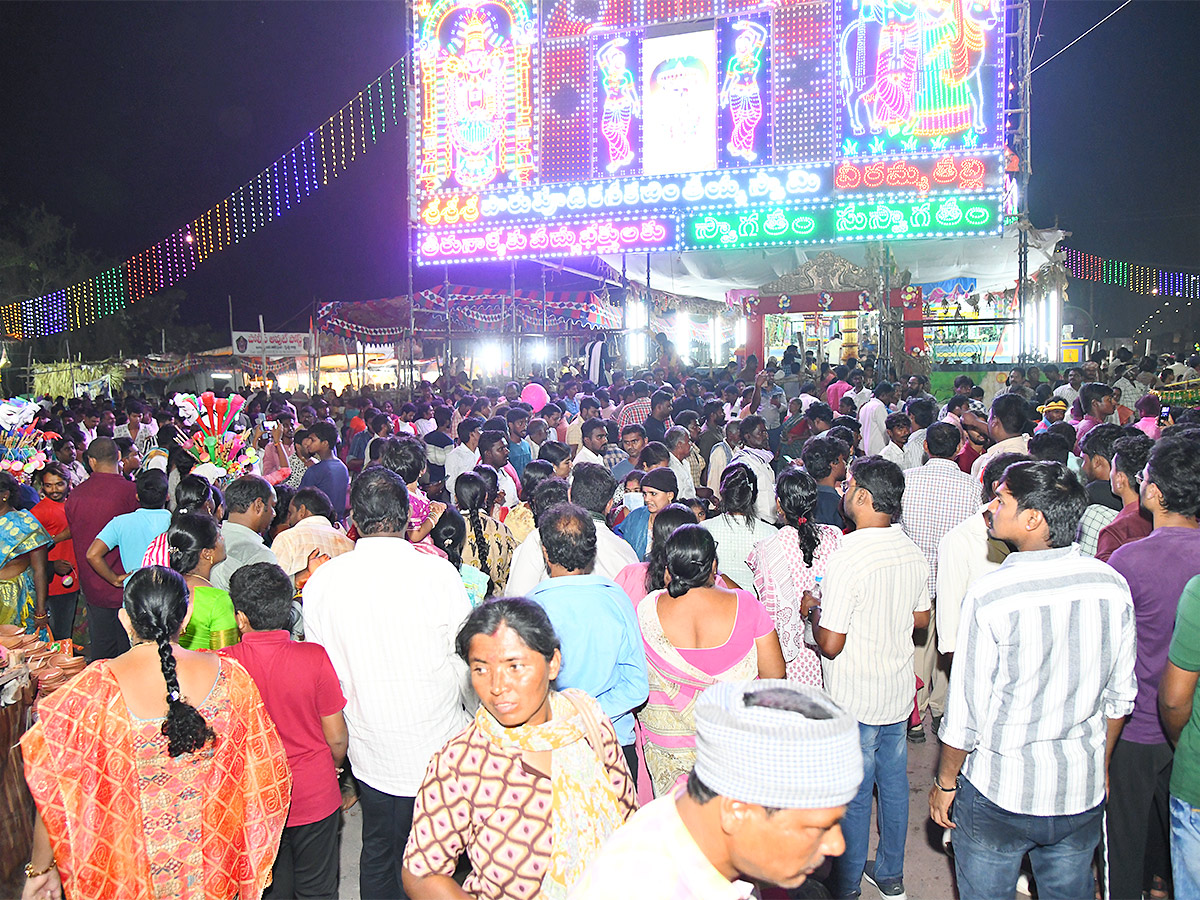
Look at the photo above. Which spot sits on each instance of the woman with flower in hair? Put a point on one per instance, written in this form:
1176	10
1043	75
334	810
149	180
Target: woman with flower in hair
196	780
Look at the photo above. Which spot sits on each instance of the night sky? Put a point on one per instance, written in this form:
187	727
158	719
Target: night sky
128	119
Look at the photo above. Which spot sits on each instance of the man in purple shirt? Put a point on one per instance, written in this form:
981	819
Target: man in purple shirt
97	501
1157	569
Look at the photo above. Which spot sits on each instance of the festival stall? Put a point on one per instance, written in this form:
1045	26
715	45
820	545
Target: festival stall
454	320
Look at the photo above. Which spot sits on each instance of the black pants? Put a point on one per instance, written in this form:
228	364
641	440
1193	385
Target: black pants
1138	815
309	860
61	609
387	820
630	751
106	638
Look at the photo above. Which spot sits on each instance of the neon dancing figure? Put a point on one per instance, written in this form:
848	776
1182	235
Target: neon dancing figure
740	92
621	103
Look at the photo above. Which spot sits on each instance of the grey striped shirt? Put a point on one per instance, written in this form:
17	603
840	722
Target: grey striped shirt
1045	653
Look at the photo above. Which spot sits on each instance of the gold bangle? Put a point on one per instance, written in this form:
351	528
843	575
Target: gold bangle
30	872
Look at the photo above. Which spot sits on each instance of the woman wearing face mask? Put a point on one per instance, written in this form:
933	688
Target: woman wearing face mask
629	499
658	491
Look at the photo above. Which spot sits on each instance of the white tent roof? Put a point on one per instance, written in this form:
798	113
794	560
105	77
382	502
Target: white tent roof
709	274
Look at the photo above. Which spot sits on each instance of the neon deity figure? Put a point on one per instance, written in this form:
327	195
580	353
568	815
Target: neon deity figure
476	111
951	48
681	79
741	92
474	58
621	103
927	55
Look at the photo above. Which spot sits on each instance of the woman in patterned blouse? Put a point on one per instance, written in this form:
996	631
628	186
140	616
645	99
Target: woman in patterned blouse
550	757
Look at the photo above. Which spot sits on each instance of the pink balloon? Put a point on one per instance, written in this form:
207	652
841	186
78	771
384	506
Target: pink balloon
535	395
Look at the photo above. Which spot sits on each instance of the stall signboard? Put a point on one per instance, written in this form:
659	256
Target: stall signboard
625	125
271	343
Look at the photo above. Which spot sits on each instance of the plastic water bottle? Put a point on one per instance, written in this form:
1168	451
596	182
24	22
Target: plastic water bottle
808	629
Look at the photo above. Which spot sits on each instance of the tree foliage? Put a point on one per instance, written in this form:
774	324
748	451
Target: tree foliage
38	255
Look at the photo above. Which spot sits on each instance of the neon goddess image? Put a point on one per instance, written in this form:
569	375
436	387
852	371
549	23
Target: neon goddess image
621	103
740	93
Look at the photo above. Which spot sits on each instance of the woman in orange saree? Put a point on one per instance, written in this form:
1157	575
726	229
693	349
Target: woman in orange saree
136	804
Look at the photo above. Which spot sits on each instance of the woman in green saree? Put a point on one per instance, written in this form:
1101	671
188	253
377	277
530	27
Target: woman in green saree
195	545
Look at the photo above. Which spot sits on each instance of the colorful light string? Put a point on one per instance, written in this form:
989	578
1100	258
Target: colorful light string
1139	279
321	157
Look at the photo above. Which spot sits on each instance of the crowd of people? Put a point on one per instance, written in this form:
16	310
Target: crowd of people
662	635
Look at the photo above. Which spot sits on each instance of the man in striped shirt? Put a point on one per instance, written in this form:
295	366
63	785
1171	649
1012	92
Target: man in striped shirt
1042	681
876	593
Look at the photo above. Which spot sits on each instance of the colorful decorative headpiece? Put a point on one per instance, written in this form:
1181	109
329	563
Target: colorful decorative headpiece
216	443
22	445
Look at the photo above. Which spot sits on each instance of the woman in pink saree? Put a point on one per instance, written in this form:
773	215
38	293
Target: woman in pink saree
695	634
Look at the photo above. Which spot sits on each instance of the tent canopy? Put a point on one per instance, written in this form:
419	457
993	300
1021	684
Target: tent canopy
462	310
712	274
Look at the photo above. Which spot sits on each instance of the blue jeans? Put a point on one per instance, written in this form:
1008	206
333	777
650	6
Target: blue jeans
885	765
989	843
1185	849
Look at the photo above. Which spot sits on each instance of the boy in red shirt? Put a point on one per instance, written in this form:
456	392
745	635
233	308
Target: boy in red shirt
53	485
301	692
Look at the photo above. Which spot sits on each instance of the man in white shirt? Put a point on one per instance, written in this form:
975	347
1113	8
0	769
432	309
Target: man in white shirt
965	554
493	451
876	591
387	616
756	453
679	445
899	427
873	416
937	496
1070	390
859	392
594	437
1053	633
923	414
592	487
465	456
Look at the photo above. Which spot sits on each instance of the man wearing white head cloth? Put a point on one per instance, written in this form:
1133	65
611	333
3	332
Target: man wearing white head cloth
776	764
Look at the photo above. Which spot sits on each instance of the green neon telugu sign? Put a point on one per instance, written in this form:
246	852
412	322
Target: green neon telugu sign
937	217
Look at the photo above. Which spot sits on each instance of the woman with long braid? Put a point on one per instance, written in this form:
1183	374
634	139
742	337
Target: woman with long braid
194	546
195	779
791	562
490	544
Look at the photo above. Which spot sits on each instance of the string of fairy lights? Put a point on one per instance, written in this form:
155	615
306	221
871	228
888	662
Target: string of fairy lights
320	158
1177	289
